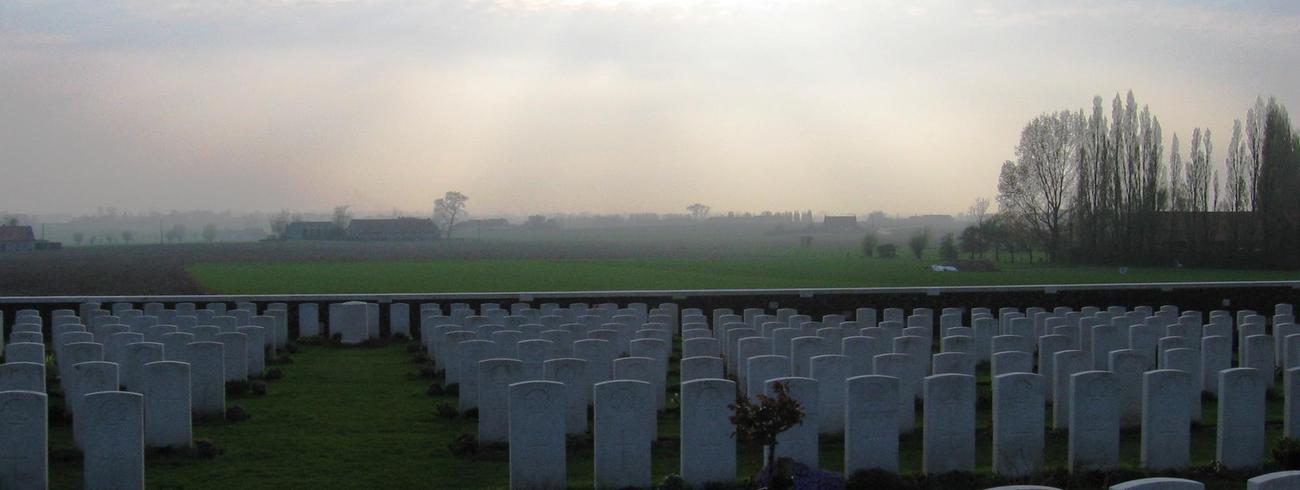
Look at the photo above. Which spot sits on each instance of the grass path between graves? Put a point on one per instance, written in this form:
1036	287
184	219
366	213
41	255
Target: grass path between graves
340	418
360	418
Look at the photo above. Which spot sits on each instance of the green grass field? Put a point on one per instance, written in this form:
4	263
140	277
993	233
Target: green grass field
360	418
781	271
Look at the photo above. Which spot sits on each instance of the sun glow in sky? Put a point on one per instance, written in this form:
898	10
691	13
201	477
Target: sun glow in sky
538	106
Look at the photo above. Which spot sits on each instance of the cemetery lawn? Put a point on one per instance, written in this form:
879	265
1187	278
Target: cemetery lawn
772	271
360	418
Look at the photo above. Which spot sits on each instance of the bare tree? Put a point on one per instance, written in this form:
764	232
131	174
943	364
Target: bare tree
1237	192
1039	185
979	211
342	217
1256	127
177	233
280	222
447	208
918	242
698	211
1177	194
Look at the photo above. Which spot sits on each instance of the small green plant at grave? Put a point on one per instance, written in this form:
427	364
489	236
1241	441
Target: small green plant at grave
1286	452
463	445
760	422
446	411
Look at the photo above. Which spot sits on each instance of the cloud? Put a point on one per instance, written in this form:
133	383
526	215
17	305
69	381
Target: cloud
569	105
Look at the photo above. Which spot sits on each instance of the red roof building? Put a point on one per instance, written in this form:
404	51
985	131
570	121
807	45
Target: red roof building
17	239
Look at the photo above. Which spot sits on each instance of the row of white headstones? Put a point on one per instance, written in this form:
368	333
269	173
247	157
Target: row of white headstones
131	379
111	417
859	378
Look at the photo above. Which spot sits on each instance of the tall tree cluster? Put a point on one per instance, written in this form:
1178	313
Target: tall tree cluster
1096	188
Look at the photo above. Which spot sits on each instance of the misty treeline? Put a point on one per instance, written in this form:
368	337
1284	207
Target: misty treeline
1091	188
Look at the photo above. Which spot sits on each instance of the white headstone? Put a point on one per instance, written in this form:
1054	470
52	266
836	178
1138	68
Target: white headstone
799	443
700	347
1094	422
1259	355
1216	356
708	451
763	369
399	319
88	377
533	353
640	369
469	355
255	344
352	322
830	371
599	355
22	376
114	443
1281	480
949	426
802	350
1240	419
621	433
494	379
1008	362
1165	420
25	352
871	424
308	319
132	367
537	452
1128	366
701	367
1291	403
572	373
24	440
953	363
1159	484
236	352
174	346
898	366
167	404
1188	361
207	378
861	350
1018	421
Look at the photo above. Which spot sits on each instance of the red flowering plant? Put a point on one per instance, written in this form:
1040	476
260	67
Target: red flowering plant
760	422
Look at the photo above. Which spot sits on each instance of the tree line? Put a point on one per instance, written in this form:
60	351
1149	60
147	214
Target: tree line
1089	188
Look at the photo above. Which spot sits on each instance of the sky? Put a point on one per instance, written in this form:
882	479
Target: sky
604	106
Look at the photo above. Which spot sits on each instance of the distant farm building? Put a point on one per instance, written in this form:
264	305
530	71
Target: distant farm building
21	239
313	230
394	229
482	224
840	223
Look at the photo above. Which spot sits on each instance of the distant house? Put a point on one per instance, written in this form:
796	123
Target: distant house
395	229
481	224
840	223
313	230
21	239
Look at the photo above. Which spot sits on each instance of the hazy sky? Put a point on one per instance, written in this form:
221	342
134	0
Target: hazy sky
600	105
